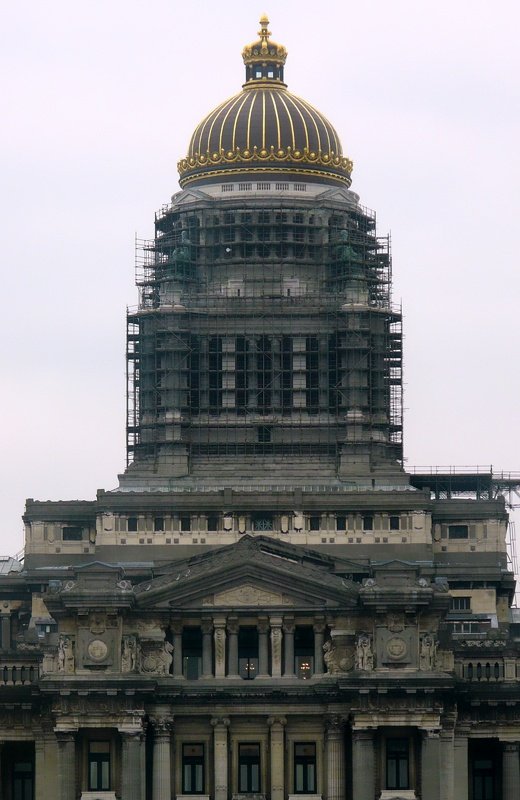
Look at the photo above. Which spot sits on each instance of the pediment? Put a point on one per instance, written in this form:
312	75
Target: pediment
249	573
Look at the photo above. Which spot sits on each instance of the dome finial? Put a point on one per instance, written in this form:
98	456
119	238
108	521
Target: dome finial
264	59
264	32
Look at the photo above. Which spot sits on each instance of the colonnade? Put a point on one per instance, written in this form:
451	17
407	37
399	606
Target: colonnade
220	656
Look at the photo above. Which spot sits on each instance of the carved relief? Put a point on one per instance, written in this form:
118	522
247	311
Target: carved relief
156	658
337	657
247	595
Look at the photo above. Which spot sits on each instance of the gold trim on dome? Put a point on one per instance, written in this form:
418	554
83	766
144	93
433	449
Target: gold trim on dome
273	155
344	180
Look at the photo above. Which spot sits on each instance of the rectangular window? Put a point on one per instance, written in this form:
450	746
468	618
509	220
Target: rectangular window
304	768
227	187
23	780
395	523
457	531
262	522
213	522
304	652
193	768
158	524
132	524
397	764
368	522
98	766
341	523
192	653
72	533
314	523
185	524
461	603
248	767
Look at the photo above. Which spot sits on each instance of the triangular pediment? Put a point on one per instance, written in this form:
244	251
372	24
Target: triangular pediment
254	572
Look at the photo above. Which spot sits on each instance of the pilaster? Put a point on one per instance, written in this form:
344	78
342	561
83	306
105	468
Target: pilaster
335	757
220	750
277	725
232	632
263	659
460	767
510	771
430	766
363	765
319	635
177	628
219	624
67	765
132	766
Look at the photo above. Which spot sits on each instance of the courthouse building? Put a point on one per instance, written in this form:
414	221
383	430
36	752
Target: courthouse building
268	607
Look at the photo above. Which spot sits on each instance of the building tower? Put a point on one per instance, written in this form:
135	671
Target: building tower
265	345
267	607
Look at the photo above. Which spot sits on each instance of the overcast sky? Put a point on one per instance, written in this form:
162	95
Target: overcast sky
99	100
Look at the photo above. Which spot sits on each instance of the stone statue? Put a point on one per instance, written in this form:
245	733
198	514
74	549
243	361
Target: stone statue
65	654
428	652
329	656
128	654
167	658
364	654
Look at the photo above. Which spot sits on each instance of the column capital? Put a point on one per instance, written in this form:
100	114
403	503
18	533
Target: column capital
65	737
288	625
263	625
281	721
207	626
177	626
232	625
220	722
319	625
363	735
334	724
510	747
162	725
276	621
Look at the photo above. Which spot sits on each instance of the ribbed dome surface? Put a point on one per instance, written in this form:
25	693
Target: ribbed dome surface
264	118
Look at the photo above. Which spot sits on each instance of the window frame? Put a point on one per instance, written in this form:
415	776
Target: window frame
193	762
249	763
394	759
99	759
305	761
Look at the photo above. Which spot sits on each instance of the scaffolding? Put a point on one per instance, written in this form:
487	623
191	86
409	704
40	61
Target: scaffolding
265	327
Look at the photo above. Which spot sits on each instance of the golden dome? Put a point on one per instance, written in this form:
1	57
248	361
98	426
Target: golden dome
264	131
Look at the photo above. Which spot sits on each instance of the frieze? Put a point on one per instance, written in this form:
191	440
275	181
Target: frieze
247	595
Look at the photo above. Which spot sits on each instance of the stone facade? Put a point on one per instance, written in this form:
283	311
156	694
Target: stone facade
268	606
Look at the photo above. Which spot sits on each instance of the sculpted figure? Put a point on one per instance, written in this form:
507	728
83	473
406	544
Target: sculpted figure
364	654
329	656
128	654
167	658
428	652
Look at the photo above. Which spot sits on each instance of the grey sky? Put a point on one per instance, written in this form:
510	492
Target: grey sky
99	100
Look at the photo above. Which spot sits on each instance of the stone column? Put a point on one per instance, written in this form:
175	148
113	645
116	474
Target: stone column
220	749
319	635
447	771
219	624
39	768
67	764
276	646
288	641
460	760
177	628
161	786
207	661
277	757
263	653
132	766
510	771
335	757
363	765
232	631
430	766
